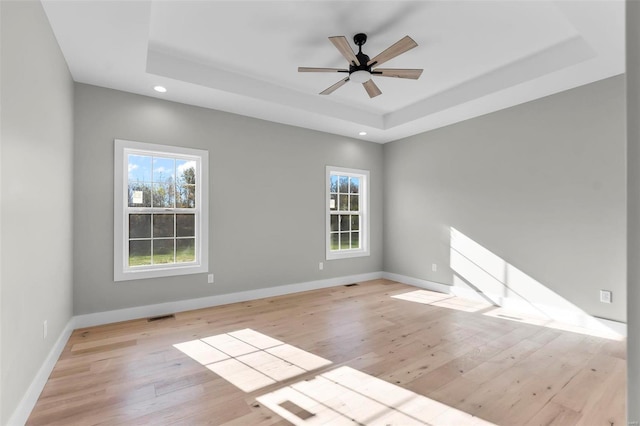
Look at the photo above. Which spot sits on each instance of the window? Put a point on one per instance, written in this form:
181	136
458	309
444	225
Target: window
347	206
160	211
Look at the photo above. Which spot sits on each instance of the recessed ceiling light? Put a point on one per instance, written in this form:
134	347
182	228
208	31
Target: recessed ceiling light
160	89
363	133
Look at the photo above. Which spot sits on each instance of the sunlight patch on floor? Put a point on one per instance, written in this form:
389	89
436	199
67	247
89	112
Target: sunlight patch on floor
347	396
512	315
443	300
250	360
241	375
450	301
542	321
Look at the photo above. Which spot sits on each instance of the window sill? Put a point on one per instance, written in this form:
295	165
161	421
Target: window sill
141	274
334	255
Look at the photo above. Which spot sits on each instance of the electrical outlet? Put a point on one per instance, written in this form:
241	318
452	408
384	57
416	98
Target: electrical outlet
321	266
44	329
434	267
605	296
210	278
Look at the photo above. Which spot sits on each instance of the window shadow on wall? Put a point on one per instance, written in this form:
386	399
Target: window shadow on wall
483	275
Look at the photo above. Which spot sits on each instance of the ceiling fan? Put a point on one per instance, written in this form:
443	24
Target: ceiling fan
361	67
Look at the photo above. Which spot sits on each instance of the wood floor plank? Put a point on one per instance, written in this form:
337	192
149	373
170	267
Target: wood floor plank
475	368
606	402
554	414
577	392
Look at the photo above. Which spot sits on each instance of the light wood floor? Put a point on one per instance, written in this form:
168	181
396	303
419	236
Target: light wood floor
502	371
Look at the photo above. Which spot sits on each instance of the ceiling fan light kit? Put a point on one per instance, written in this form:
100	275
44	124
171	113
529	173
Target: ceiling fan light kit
361	66
360	76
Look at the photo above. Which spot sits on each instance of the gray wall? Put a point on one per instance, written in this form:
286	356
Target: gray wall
267	188
541	185
633	183
36	194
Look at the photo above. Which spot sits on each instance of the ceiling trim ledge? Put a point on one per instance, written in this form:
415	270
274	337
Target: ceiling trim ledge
554	58
190	71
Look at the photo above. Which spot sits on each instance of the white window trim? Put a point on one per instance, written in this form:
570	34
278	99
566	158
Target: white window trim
121	271
364	214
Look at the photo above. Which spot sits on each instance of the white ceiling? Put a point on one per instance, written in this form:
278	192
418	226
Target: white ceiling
242	56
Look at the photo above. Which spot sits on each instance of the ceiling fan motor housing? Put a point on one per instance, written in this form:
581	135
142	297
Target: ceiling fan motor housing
360	73
361	66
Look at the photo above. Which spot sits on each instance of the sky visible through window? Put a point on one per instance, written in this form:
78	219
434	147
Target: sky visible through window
144	168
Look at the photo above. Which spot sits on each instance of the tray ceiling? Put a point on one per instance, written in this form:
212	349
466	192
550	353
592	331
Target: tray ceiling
242	56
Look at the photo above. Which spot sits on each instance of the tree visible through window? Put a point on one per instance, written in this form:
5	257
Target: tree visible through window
162	212
347	208
167	183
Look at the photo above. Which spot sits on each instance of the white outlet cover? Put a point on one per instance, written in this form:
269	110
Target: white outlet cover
605	296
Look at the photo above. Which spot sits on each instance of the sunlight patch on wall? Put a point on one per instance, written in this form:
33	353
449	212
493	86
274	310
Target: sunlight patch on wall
348	396
518	295
250	360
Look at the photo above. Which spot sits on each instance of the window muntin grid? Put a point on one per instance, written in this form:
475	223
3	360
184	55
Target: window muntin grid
347	213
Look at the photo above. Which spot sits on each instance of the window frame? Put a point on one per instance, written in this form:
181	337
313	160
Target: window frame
363	212
121	270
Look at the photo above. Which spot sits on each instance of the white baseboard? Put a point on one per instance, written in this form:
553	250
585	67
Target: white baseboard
417	282
28	401
108	317
617	326
22	412
575	318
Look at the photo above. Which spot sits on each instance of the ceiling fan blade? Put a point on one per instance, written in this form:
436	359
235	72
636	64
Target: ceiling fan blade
341	43
309	69
372	89
399	47
331	89
413	74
